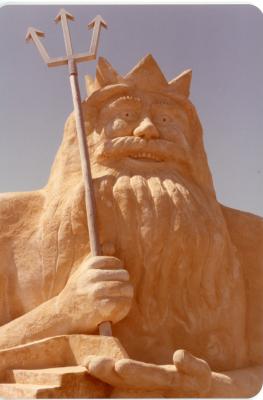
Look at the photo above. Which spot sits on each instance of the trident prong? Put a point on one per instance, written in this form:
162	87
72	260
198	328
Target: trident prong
96	23
72	60
34	34
63	16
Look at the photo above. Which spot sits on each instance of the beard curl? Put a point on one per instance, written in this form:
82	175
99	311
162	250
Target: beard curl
173	241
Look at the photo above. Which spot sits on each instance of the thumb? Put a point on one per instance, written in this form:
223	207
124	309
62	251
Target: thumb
195	367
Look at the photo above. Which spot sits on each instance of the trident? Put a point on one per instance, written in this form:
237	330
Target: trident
72	59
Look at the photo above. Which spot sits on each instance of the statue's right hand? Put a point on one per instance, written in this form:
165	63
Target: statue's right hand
99	290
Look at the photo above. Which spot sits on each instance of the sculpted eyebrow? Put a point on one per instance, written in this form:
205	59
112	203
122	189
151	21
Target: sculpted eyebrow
124	99
172	108
165	103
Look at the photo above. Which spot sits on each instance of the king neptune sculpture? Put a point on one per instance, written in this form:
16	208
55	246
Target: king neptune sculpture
181	275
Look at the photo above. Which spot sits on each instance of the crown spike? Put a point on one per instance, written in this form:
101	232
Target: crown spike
181	84
147	74
106	74
90	84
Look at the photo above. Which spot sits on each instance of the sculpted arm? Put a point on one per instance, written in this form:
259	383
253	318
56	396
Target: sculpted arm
97	291
43	321
188	376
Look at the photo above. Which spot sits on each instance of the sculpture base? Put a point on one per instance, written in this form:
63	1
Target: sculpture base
62	382
54	367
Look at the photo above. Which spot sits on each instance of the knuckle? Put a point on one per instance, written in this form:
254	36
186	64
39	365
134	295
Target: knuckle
112	288
93	275
104	262
97	288
96	275
129	290
125	289
94	262
125	274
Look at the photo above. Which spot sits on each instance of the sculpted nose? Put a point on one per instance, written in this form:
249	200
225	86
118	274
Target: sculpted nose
146	130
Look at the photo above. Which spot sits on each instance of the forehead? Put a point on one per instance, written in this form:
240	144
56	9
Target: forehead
142	99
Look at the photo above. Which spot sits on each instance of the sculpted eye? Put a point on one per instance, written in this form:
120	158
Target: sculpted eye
163	119
128	115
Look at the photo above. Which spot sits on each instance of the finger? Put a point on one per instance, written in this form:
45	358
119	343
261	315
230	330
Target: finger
188	364
144	375
197	373
111	289
98	275
113	309
104	262
103	369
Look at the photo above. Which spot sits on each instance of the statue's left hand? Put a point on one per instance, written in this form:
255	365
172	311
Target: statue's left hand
187	375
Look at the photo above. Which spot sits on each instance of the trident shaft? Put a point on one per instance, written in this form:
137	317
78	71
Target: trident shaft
71	60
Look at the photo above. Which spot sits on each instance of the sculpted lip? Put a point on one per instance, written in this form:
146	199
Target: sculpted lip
146	156
153	152
135	149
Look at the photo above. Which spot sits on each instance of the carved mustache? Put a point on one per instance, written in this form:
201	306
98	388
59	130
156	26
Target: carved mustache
138	148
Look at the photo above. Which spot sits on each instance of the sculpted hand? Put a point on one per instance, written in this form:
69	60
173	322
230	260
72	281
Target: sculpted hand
99	290
188	375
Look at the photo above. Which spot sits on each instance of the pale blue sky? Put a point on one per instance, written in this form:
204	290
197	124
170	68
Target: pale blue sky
222	44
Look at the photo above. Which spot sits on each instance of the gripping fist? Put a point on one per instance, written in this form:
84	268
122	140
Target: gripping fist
99	290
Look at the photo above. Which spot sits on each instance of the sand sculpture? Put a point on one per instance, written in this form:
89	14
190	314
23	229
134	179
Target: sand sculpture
181	278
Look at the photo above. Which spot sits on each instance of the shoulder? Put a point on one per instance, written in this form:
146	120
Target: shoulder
246	232
19	215
18	208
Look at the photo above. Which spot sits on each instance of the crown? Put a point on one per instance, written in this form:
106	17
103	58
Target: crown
145	75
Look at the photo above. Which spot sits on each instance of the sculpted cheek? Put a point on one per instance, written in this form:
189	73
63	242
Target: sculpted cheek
118	127
175	134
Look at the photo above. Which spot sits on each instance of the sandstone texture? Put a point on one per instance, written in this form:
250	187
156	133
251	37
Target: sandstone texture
180	278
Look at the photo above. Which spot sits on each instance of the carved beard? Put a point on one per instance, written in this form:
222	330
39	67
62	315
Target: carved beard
173	240
172	237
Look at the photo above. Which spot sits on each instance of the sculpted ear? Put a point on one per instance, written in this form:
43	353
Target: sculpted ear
181	84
